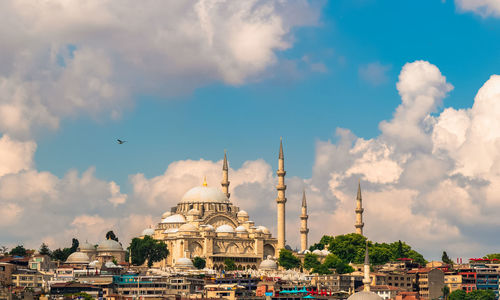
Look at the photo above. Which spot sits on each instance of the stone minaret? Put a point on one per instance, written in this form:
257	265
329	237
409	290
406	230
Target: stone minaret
303	224
281	200
359	212
225	177
366	280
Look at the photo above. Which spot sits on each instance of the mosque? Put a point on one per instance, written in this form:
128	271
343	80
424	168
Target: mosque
206	224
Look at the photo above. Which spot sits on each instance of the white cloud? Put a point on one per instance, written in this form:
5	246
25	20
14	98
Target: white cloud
15	156
374	73
57	62
484	8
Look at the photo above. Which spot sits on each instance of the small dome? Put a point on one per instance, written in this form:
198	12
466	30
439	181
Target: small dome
110	264
317	252
148	231
225	229
109	245
78	258
263	229
171	230
242	213
184	263
268	264
86	247
204	194
193	212
209	227
325	252
241	229
187	227
166	214
174	219
364	295
94	264
307	251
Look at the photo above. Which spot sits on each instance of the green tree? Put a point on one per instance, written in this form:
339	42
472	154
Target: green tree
322	270
74	245
148	249
399	251
229	265
446	259
446	292
110	235
44	249
81	295
457	295
287	260
199	262
311	261
492	256
19	250
481	295
332	261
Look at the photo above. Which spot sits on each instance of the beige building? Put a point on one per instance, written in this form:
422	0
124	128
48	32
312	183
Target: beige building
206	224
454	282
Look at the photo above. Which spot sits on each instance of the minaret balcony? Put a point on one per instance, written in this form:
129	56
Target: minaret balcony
359	210
281	187
279	200
306	231
359	225
304	217
281	172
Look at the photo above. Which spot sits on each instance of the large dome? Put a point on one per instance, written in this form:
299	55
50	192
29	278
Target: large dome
364	295
174	219
78	258
109	245
268	264
86	247
204	194
184	263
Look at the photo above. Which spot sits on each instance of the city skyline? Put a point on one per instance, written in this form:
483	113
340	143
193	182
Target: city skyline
399	96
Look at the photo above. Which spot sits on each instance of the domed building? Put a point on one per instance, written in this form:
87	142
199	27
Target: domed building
206	224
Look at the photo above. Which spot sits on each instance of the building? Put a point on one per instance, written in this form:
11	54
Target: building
430	282
402	280
486	276
453	281
27	278
206	224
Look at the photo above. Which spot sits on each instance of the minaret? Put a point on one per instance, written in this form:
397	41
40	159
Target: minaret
281	200
303	224
366	280
225	177
359	212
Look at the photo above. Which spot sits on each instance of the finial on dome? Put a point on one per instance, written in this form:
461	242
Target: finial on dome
205	181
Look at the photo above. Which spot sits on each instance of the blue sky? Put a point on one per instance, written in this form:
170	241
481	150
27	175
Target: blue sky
303	106
377	91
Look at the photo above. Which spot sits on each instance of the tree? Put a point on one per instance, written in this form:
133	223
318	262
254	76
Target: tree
332	261
311	261
44	249
110	235
148	249
19	250
322	270
74	245
4	250
62	254
287	260
492	256
446	259
229	264
446	292
457	295
199	262
399	251
481	295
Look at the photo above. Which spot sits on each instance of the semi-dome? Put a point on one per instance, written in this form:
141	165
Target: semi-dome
242	213
171	230
78	258
174	219
166	214
184	263
317	252
109	245
148	231
225	229
364	295
268	264
204	194
86	246
325	252
193	212
241	229
263	229
187	227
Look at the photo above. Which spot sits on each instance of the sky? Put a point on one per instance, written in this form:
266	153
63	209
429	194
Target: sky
401	95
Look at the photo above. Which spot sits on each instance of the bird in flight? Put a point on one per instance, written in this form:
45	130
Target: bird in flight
120	141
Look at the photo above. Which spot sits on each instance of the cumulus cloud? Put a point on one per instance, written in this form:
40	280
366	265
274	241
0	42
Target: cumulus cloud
484	8
57	62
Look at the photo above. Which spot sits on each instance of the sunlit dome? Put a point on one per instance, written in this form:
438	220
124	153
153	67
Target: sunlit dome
325	252
166	214
364	295
193	212
187	227
171	230
148	231
241	229
317	252
174	219
268	264
109	245
225	229
242	213
184	263
263	229
78	258
204	194
86	246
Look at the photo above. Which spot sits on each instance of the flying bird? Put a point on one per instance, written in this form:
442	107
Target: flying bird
120	141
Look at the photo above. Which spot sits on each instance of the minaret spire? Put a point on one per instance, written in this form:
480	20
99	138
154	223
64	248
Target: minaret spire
281	199
366	280
303	223
225	177
359	211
